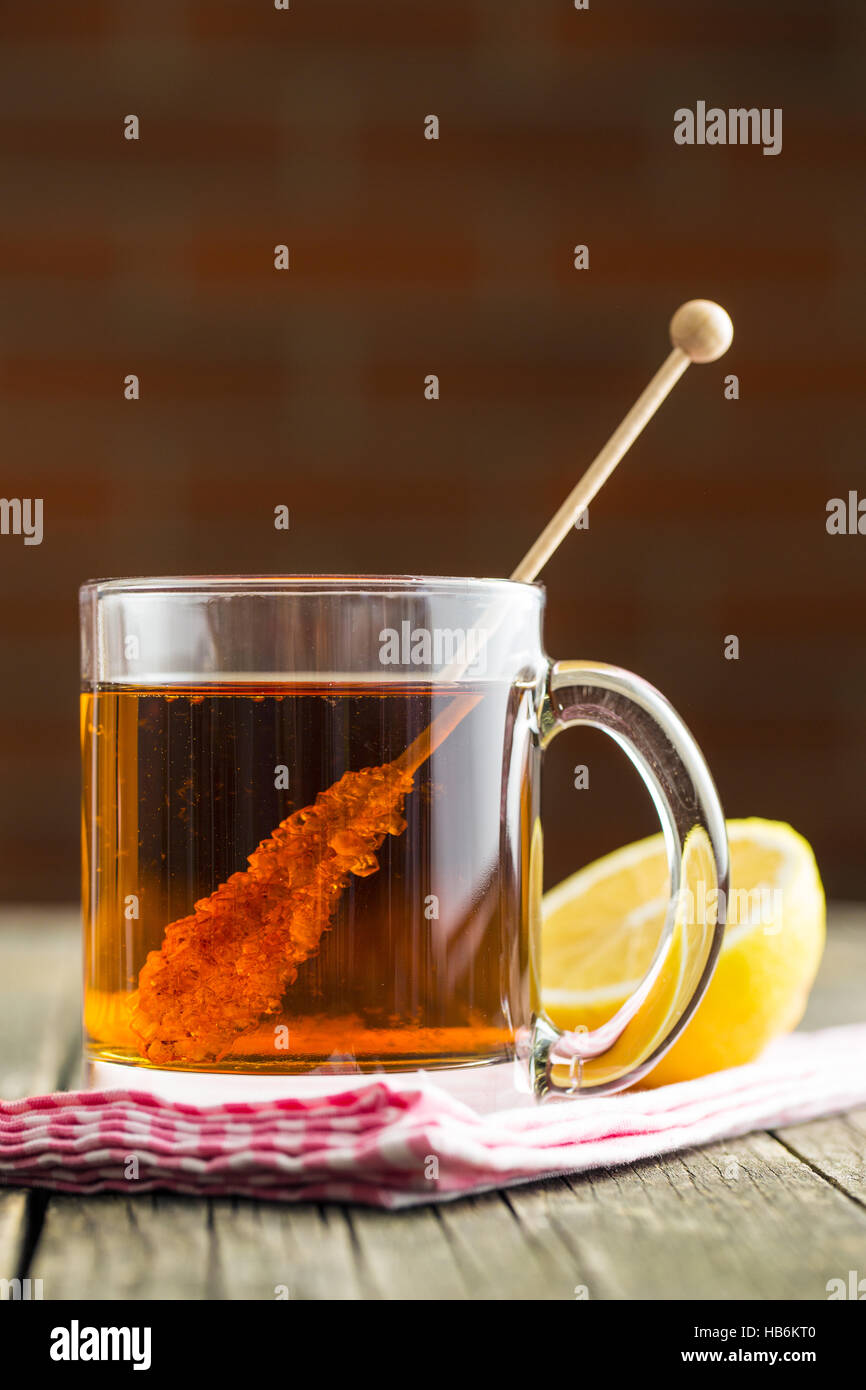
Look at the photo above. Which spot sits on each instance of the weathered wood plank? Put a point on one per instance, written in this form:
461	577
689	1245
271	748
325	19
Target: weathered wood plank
836	1148
408	1255
267	1251
534	1207
159	1246
116	1247
744	1219
13	1232
40	977
498	1256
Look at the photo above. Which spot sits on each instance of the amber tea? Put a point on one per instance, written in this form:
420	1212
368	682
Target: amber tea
264	892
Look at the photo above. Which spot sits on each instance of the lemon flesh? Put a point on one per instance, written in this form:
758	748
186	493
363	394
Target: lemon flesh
601	926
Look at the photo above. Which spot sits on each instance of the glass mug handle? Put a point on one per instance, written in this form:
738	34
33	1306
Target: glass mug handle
607	1058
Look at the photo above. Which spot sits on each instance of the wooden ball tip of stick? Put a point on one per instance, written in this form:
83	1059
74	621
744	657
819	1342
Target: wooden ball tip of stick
702	330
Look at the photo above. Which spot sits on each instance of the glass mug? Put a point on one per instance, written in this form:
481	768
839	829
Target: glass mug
312	845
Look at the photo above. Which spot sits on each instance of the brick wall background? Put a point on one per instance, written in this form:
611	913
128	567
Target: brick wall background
455	257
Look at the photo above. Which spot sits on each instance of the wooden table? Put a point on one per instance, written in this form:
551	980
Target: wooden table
774	1215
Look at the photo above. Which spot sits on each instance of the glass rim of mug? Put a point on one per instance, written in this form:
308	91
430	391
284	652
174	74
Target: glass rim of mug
331	584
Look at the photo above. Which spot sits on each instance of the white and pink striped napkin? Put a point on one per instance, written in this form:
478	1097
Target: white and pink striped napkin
393	1147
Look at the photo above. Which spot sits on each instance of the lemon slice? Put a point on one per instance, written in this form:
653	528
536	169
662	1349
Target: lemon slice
601	926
